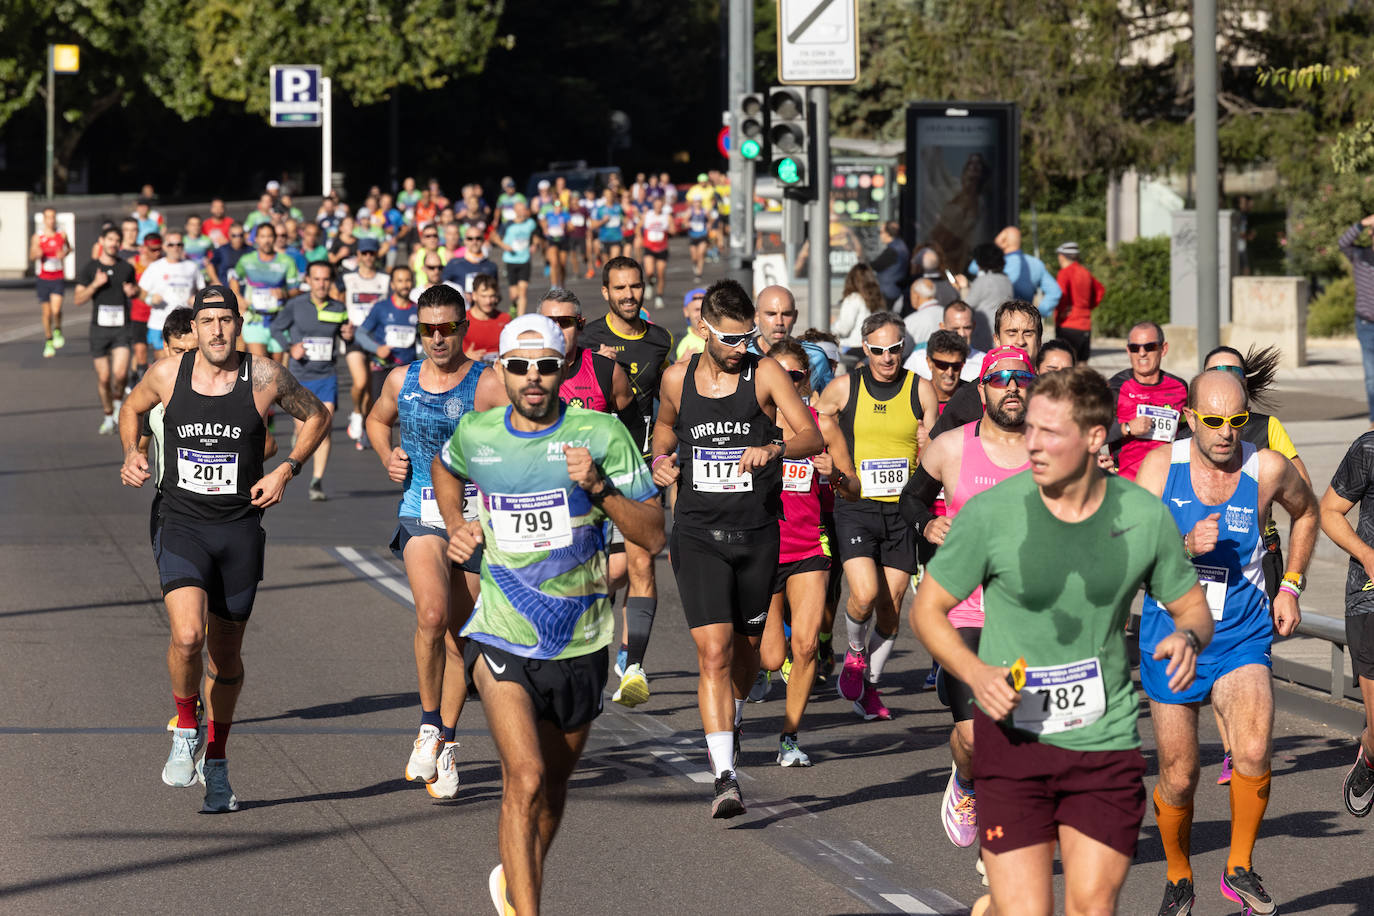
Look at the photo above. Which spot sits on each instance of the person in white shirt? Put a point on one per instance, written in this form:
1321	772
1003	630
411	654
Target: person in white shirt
927	315
168	283
958	317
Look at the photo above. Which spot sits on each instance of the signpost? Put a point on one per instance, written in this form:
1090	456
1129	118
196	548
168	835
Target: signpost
61	59
301	97
818	42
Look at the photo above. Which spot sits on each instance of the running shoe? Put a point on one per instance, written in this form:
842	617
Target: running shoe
825	663
360	444
786	670
107	426
633	689
1359	786
870	705
219	798
790	754
58	340
1224	779
1243	886
180	768
959	812
622	661
119	403
591	272
763	684
658	302
1178	898
932	677
316	491
982	869
728	802
497	885
49	351
355	425
423	765
851	683
445	784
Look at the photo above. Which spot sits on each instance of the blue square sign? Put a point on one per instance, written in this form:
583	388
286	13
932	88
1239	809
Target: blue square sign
295	96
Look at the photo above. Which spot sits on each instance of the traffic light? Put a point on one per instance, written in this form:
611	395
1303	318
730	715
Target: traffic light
751	116
789	139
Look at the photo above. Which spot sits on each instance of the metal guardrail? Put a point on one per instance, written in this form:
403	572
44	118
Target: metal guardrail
1331	629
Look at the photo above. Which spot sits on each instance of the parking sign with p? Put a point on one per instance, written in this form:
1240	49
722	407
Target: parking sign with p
295	96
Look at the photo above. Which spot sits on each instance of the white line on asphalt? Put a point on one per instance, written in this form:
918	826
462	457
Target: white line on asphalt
28	330
373	572
907	903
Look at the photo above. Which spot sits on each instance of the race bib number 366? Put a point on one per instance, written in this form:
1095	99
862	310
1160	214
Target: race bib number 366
527	522
1163	421
1060	698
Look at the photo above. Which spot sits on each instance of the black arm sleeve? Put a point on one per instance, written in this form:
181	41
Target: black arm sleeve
917	497
964	407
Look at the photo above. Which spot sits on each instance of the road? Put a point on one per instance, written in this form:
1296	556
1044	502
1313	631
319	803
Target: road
329	710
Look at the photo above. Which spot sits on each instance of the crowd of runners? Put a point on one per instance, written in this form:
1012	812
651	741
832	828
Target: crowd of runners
1020	497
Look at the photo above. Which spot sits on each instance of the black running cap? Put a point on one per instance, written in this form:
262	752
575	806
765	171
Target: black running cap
224	295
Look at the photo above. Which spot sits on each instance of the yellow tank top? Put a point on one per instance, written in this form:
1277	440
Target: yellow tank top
880	423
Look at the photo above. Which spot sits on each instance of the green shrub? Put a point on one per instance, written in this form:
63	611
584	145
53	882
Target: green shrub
1054	229
1333	312
1136	283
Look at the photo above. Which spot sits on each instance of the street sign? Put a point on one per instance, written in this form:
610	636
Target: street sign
66	58
818	42
295	96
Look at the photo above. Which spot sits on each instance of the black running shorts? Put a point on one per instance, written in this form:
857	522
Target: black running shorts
1359	639
819	563
224	559
103	340
876	531
410	527
953	692
569	692
725	576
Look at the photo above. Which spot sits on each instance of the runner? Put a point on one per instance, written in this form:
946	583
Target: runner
879	409
553	221
506	201
427	250
1148	400
49	247
226	255
1219	490
210	542
362	289
657	226
587	205
486	320
804	567
1353	483
541	633
107	283
954	469
168	283
311	326
199	246
263	279
149	250
691	341
387	334
606	221
776	315
642	348
717	433
957	317
1059	760
945	355
514	240
1016	323
463	269
698	233
218	223
426	399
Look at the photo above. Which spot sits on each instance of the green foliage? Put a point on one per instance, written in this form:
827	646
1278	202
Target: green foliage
1305	77
1319	219
1047	231
1333	312
1136	280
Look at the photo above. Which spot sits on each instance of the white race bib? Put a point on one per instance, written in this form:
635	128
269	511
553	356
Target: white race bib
357	312
1213	581
264	299
52	265
1060	698
400	336
654	235
882	476
471	496
319	349
716	470
527	522
613	222
518	246
1163	421
109	316
430	516
577	219
207	473
797	475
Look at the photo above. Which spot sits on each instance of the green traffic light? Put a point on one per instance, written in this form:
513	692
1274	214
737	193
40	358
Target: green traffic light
750	149
789	172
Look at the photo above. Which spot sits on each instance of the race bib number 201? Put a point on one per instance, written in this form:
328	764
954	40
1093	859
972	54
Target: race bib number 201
207	473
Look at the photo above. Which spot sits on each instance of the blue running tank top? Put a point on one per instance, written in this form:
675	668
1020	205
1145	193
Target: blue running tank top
428	420
1231	575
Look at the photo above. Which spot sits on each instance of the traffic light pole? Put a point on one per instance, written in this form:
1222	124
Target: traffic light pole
740	52
818	260
52	88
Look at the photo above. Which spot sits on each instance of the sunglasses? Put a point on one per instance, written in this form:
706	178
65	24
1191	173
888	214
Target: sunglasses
429	235
1004	377
1240	373
946	365
796	375
236	235
1215	421
567	321
732	340
472	238
1150	347
181	245
880	351
432	266
547	365
444	328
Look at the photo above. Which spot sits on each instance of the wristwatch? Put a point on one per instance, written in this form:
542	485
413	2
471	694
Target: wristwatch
1192	639
294	465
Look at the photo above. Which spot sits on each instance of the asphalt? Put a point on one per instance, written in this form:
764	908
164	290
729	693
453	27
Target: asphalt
329	709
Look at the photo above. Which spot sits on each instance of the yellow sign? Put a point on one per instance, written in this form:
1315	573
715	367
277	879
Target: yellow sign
66	58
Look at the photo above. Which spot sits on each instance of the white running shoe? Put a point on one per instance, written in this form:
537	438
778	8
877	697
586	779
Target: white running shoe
634	687
355	425
117	405
180	768
107	426
423	765
219	798
445	784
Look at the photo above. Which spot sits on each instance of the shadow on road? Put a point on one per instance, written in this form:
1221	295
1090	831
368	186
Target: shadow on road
357	706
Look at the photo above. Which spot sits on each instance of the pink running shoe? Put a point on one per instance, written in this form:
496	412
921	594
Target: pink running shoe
851	681
959	813
870	705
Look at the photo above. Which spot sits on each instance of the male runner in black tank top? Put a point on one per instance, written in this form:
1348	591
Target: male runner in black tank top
209	543
717	434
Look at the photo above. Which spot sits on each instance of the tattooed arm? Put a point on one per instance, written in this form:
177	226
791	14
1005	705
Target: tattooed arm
271	379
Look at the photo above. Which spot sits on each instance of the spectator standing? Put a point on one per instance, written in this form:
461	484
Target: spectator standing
1362	266
1081	294
891	263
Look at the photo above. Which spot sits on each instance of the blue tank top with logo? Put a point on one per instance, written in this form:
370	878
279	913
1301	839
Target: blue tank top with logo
427	422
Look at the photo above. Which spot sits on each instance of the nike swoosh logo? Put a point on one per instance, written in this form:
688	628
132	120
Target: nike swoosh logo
245	372
1180	502
492	665
1118	532
412	396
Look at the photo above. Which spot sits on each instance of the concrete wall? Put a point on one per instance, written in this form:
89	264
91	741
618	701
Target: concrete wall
1265	311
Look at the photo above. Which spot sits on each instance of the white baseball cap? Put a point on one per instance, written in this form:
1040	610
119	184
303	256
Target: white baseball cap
274	185
550	335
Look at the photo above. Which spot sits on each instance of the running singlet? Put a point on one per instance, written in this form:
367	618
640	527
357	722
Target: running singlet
175	283
516	237
712	434
656	228
977	472
609	231
880	424
427	420
545	586
259	280
50	247
698	222
198	249
1231	575
392	324
1162	402
799	529
557	223
211	448
589	381
360	293
644	358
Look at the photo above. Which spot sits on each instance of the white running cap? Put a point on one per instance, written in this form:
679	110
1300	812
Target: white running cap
550	335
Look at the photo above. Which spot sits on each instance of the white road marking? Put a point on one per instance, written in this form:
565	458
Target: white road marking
907	903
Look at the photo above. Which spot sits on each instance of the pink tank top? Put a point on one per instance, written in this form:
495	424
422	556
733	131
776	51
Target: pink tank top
582	388
799	529
977	473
